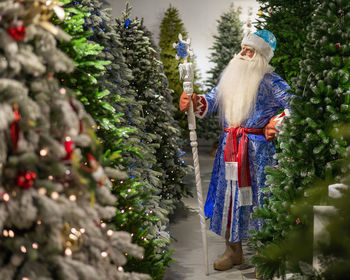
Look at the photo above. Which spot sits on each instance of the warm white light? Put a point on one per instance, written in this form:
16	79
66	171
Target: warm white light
38	222
132	235
67	172
43	152
11	233
54	195
68	252
72	197
68	138
50	177
103	225
35	245
62	91
42	191
104	254
6	197
120	268
110	232
130	208
5	233
122	211
73	237
82	230
129	190
25	278
23	249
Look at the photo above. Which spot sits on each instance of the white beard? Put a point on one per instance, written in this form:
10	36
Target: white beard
238	87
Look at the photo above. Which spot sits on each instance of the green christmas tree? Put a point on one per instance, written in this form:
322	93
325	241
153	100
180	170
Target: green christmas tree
54	193
310	150
227	42
108	96
158	135
287	20
170	28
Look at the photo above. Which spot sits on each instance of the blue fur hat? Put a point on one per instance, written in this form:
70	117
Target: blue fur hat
263	41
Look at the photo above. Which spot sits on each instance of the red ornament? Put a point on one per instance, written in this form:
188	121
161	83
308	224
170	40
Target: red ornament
17	32
15	128
337	45
69	147
25	179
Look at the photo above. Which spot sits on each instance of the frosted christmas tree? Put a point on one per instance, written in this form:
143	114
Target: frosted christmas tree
54	194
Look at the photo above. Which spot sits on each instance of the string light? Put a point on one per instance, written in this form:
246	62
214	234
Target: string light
6	197
63	91
110	232
72	197
35	245
82	230
68	252
43	152
104	254
11	233
54	195
38	222
103	225
50	177
120	269
25	278
5	233
23	249
42	191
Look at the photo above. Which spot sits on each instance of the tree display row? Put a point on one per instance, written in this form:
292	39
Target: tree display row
311	148
145	187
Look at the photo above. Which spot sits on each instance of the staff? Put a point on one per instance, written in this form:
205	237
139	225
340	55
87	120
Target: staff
186	73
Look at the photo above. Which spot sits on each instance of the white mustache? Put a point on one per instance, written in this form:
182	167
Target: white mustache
244	57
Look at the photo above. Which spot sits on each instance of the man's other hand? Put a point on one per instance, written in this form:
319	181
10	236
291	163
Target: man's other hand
270	129
185	102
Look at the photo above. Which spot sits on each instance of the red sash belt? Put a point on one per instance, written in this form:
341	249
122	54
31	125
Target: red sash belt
239	153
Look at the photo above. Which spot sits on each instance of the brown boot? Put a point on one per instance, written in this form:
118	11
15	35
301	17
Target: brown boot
233	255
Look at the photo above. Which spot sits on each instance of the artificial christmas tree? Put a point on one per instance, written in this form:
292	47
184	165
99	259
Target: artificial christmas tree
227	42
54	193
120	126
309	148
288	21
157	135
170	28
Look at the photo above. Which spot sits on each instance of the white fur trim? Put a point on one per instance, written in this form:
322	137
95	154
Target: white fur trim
258	44
202	107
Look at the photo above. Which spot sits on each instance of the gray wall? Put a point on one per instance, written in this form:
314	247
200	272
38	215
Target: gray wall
198	16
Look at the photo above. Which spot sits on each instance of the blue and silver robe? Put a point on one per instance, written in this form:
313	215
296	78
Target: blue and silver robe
271	99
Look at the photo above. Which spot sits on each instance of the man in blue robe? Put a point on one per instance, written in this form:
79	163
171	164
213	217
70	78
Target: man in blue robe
249	98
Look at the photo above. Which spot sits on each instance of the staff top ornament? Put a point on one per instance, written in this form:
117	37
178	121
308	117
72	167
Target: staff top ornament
183	48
